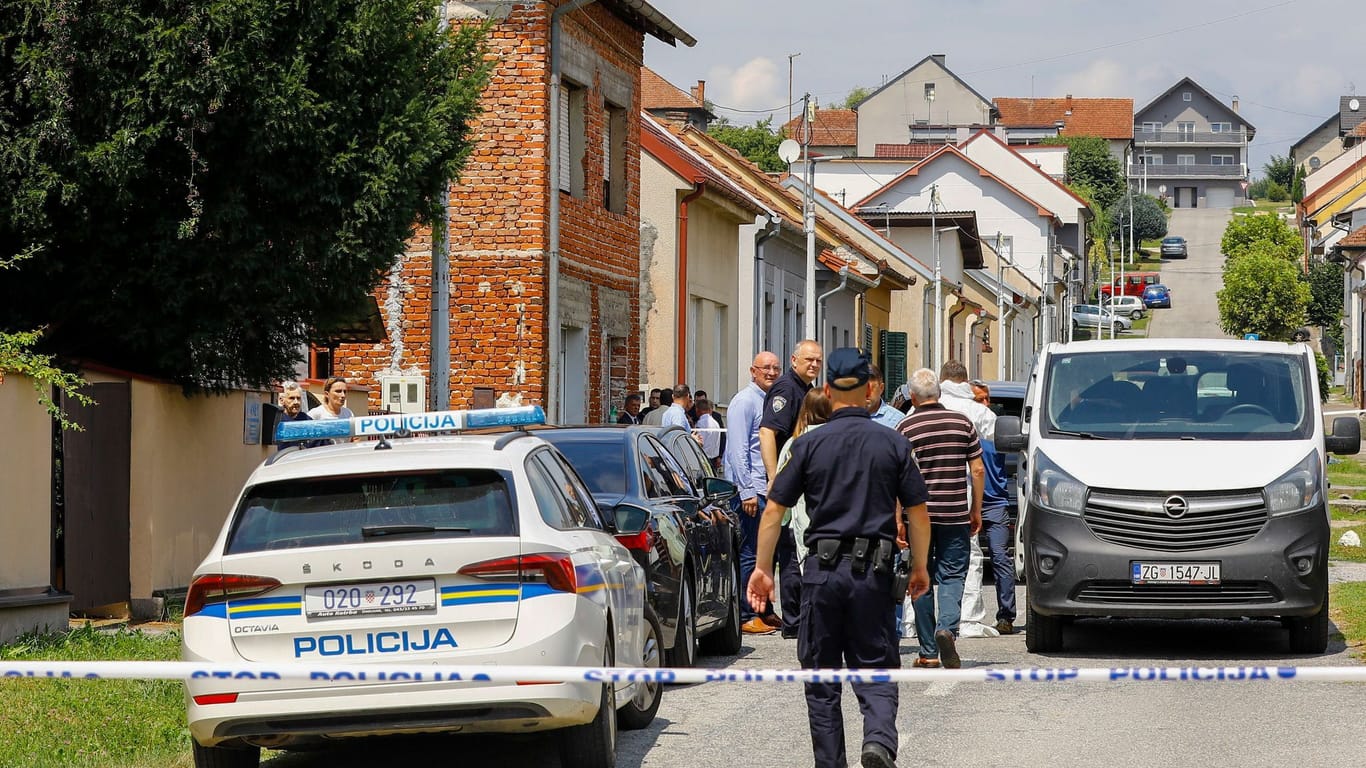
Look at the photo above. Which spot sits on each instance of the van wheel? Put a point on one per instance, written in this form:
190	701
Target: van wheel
226	757
1309	634
1043	634
594	744
640	711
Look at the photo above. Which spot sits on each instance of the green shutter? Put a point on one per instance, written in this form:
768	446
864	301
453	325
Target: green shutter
892	360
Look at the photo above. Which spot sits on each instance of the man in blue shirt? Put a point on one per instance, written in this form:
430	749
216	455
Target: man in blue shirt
745	468
677	413
881	411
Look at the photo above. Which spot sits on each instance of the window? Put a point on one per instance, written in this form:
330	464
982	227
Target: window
1185	159
1149	159
614	160
1221	159
581	512
1185	95
549	502
929	91
573	138
661	477
1154	127
1221	127
1186	130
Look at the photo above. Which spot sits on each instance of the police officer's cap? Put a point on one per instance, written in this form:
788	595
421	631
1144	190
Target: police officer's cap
848	363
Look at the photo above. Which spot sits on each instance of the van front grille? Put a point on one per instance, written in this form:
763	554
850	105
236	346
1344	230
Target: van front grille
1175	522
1124	593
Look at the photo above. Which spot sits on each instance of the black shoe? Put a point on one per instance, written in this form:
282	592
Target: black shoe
876	756
1005	627
789	634
948	652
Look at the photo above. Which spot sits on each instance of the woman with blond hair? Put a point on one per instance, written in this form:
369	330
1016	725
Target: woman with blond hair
814	412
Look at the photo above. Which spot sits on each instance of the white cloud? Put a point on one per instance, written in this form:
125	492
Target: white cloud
753	85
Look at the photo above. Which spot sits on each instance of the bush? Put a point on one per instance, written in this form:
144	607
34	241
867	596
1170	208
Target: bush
1257	190
1276	193
1325	376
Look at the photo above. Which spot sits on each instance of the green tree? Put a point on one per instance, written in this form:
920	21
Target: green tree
1244	232
1297	189
757	143
208	182
1276	193
856	94
1262	294
1325	296
1281	170
1150	223
1090	164
17	357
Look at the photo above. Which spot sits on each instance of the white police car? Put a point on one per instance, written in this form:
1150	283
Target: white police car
456	549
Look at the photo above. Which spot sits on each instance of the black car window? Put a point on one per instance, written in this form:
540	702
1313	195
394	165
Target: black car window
323	511
581	514
663	470
581	498
554	510
684	448
602	465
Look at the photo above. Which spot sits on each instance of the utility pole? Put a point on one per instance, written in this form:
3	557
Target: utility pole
1000	310
938	286
809	219
790	57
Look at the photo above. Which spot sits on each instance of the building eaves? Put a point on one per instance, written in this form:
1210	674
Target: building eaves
658	93
897	79
993	137
949	149
648	19
653	131
1251	130
1311	204
862	227
1330	120
1355	240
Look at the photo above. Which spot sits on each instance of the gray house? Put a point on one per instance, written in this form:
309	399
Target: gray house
1332	137
923	105
1191	148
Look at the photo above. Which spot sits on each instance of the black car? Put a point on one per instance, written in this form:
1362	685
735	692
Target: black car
691	547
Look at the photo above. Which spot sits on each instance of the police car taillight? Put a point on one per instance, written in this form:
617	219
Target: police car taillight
218	587
552	569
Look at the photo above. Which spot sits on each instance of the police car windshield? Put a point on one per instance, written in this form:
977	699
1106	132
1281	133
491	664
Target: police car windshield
1179	395
329	511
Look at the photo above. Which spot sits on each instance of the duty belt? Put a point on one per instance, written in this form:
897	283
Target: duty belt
860	551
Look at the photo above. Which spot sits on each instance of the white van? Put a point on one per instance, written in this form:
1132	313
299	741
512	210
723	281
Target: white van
1174	478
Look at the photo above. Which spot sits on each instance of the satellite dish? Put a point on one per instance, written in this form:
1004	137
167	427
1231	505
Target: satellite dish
1354	104
789	151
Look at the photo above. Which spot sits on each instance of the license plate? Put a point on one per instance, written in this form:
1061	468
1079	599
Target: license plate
373	597
1174	573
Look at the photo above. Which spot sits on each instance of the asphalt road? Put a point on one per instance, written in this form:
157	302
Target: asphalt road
1194	280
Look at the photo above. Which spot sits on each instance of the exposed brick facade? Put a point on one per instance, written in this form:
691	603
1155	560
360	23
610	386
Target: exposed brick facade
500	236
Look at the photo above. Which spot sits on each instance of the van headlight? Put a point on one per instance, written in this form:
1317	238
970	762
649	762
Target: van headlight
1296	490
1055	490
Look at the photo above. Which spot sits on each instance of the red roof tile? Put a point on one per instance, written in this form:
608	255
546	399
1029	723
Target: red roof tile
905	151
831	128
1354	239
1107	118
1358	132
658	93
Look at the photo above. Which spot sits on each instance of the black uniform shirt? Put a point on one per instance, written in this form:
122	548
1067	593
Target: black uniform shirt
781	404
853	471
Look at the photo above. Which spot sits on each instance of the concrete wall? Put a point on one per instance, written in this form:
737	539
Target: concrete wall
660	191
1323	144
886	117
26	602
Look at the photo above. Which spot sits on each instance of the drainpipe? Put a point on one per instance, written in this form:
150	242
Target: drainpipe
552	309
774	226
820	306
958	308
698	187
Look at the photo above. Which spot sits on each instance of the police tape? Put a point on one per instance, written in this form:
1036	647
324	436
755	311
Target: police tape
391	673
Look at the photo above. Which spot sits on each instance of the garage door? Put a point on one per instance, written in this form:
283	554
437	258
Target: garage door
1219	197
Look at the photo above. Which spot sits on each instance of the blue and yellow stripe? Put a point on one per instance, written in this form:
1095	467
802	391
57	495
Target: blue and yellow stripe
265	607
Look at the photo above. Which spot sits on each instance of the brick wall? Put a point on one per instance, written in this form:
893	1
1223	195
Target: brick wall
499	235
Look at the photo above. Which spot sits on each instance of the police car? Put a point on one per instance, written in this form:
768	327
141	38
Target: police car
443	549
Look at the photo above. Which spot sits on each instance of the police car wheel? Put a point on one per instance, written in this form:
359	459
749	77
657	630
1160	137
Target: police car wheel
1309	634
725	639
640	711
684	652
226	757
594	744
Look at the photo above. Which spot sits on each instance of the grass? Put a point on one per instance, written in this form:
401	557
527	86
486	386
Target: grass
1261	206
1347	603
93	723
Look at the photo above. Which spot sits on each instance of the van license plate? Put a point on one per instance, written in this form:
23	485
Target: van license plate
1174	573
373	597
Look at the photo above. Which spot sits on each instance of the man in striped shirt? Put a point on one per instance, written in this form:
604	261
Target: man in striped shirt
947	449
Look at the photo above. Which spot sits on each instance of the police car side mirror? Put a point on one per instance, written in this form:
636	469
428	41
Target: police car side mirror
718	491
1008	436
631	519
1346	437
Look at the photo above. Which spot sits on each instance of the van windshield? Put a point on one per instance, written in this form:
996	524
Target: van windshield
1178	394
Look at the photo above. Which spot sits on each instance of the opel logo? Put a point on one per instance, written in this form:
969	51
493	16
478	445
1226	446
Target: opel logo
1175	507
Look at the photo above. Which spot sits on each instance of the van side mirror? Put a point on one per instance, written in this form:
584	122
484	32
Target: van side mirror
1346	437
1008	436
715	490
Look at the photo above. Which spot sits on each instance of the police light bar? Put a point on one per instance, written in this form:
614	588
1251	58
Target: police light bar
392	423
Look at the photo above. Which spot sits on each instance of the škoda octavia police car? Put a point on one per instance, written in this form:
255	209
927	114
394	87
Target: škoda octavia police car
457	549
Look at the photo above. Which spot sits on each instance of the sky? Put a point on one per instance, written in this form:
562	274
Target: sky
1287	61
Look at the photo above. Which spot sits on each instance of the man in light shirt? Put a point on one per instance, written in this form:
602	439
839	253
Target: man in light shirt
745	468
677	414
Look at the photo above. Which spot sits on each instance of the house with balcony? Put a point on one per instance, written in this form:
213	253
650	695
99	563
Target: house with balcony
1191	149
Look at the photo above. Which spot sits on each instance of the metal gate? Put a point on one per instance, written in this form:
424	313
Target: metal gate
90	509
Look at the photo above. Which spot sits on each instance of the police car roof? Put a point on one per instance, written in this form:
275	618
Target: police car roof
492	451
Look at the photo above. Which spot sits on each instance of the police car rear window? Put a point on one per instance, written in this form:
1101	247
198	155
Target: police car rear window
330	511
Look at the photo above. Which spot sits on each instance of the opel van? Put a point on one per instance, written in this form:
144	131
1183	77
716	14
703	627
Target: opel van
1177	479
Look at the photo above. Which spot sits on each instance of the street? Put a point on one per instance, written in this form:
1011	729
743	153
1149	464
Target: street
1194	280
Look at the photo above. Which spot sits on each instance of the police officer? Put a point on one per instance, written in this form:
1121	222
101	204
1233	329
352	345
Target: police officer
853	472
781	404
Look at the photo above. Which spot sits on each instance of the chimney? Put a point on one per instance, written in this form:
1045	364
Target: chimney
699	92
938	59
1235	103
1069	104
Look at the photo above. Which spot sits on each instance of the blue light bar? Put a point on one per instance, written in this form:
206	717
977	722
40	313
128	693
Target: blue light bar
391	423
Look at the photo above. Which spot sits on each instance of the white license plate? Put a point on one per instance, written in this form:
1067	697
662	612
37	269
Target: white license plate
1174	573
372	597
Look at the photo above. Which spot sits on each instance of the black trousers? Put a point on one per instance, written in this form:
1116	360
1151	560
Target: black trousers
848	620
789	581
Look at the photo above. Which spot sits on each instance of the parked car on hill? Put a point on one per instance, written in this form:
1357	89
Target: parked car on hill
1157	295
1092	316
1125	306
1174	247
